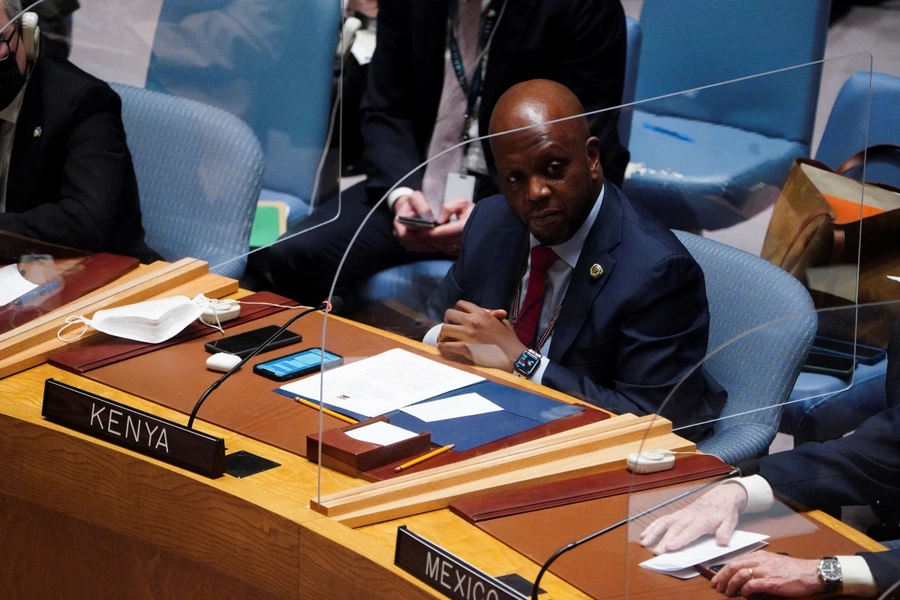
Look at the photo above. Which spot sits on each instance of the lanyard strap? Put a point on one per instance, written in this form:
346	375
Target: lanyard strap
473	89
514	317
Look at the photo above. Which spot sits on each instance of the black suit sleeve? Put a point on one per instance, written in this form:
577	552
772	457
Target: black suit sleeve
885	567
660	349
858	469
94	163
388	129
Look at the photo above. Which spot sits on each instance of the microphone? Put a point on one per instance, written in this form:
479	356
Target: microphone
625	521
328	306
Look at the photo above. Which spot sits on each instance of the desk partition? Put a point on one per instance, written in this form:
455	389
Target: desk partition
762	321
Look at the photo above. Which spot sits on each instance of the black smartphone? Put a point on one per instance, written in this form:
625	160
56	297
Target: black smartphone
829	364
416	222
866	355
297	364
243	344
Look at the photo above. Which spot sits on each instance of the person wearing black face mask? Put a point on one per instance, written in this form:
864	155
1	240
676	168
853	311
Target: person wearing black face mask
66	175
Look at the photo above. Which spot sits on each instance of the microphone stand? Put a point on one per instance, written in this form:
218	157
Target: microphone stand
573	545
327	306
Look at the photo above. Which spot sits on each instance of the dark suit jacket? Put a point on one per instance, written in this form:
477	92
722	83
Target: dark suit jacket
579	43
861	468
71	180
858	469
622	341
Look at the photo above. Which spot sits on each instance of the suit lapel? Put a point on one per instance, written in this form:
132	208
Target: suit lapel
26	145
584	290
505	265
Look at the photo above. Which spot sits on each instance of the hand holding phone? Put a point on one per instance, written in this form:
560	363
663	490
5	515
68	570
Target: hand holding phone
415	222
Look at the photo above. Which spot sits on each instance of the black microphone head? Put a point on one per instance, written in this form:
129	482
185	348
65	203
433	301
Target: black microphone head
335	304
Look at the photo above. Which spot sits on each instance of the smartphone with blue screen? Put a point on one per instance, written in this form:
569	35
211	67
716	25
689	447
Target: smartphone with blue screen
297	364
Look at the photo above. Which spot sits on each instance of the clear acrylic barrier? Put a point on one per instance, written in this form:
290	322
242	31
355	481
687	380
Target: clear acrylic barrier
404	303
231	81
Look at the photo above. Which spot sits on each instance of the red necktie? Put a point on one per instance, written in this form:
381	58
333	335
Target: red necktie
526	324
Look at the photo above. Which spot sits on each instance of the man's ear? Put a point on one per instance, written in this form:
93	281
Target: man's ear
592	152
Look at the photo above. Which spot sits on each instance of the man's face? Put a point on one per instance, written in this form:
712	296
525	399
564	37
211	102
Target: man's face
550	176
14	41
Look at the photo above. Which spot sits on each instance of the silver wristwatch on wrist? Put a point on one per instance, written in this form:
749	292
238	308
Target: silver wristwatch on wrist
830	573
527	363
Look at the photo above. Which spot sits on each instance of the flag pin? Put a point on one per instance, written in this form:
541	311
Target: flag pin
37	132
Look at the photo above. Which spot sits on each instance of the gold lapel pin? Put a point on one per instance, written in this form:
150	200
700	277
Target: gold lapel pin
37	132
596	271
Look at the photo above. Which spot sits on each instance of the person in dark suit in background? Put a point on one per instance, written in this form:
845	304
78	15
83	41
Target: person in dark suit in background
415	107
861	468
66	175
607	305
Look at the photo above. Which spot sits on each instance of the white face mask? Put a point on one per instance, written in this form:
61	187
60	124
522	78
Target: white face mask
151	322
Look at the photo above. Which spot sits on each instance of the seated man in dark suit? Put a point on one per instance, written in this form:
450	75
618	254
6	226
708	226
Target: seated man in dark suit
66	175
609	307
861	468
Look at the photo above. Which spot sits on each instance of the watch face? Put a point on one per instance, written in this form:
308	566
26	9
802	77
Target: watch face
830	570
527	363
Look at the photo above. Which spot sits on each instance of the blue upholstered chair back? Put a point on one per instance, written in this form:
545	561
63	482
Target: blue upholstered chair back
198	171
762	323
271	63
693	43
846	132
634	35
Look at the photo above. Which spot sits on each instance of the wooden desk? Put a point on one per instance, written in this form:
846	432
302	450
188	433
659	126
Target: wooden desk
80	518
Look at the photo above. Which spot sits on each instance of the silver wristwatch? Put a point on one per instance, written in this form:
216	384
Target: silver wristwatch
830	573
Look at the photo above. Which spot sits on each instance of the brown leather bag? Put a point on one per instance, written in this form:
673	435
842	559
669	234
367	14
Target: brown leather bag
825	228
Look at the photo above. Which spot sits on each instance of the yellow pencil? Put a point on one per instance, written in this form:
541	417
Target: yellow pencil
422	458
328	412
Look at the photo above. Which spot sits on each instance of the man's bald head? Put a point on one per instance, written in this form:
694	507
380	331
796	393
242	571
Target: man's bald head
537	101
548	171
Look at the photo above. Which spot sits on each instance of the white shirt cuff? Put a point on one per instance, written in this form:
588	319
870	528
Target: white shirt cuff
858	578
392	197
759	493
538	374
431	338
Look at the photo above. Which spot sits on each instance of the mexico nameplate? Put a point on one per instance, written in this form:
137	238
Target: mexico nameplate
447	573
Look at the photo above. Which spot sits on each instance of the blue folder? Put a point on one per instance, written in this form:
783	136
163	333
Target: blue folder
521	411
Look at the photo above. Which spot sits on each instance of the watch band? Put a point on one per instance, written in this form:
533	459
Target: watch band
829	572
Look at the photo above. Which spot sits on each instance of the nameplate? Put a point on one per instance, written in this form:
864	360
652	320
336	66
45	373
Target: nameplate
136	430
446	573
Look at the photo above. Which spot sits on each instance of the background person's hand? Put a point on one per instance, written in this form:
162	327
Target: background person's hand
717	511
413	240
447	236
767	573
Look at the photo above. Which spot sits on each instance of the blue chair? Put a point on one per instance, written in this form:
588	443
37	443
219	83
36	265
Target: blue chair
696	156
269	62
411	284
824	407
198	172
762	323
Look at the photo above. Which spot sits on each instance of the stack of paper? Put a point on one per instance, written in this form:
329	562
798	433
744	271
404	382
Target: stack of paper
705	551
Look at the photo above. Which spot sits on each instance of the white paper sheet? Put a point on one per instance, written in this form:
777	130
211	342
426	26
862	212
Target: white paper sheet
703	550
13	285
383	383
691	572
381	433
464	405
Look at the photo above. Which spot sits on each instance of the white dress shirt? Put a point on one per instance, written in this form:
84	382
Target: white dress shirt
857	577
558	276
